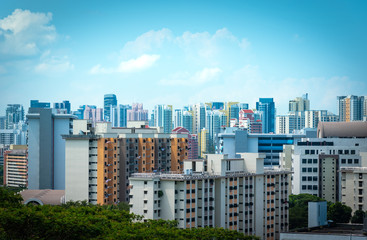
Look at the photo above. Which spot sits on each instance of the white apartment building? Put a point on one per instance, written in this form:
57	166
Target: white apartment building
316	161
353	184
217	191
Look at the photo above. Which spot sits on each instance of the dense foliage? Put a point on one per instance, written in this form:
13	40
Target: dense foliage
298	210
80	220
358	216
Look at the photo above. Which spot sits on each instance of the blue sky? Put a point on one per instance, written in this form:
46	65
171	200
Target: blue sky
182	52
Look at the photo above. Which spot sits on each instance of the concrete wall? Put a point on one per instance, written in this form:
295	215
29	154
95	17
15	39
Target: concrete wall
76	170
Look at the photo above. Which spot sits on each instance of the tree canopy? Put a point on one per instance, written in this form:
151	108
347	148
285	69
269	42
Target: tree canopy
81	220
298	210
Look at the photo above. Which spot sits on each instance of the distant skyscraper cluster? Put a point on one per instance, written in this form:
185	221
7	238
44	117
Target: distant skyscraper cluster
215	164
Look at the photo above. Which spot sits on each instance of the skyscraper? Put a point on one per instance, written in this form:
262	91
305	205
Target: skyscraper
14	114
215	119
122	115
110	101
199	115
351	108
267	107
137	113
46	148
163	117
187	121
63	105
299	104
178	118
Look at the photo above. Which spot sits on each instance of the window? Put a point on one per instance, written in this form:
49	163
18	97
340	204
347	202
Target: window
346	152
309	161
309	169
312	151
304	187
307	151
343	161
350	161
356	161
304	160
304	169
314	169
314	179
309	178
315	161
304	178
352	151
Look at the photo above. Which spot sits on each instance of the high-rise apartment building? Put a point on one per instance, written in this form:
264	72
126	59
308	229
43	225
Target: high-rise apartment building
14	114
63	105
178	118
267	107
110	101
250	120
203	142
100	160
193	145
15	166
187	121
46	148
137	113
215	120
299	104
351	108
163	117
217	191
2	122
313	117
199	117
286	124
119	115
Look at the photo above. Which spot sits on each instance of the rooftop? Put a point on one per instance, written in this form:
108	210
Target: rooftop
342	129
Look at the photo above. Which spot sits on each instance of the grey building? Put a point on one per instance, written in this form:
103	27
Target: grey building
46	148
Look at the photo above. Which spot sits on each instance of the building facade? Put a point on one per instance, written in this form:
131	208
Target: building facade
110	101
46	148
236	194
267	107
15	166
100	161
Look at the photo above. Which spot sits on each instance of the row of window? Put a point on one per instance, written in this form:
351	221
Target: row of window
309	187
309	170
309	178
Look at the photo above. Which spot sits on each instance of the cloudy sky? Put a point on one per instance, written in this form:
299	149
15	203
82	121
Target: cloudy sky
182	52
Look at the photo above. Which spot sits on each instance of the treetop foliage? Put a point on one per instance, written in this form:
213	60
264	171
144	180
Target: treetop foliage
81	220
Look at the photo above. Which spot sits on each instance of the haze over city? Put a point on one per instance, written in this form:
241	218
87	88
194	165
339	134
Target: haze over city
182	53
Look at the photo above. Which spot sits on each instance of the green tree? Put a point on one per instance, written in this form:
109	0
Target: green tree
9	198
339	213
81	220
358	216
298	209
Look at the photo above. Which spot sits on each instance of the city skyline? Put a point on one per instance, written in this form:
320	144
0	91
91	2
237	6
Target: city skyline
182	53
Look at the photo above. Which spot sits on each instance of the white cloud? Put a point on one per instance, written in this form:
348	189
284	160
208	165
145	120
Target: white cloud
25	32
198	78
51	65
143	62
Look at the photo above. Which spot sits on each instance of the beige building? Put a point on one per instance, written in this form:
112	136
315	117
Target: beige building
235	194
16	166
354	191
